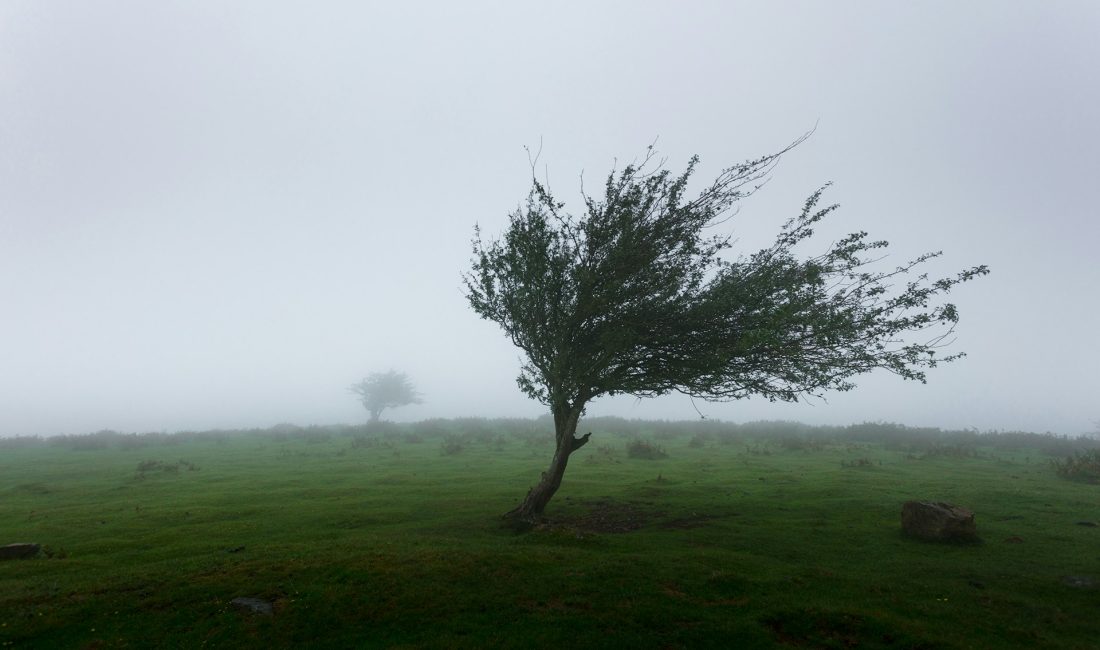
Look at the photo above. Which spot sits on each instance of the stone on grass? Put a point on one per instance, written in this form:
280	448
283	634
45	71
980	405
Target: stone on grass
938	521
18	551
253	606
1079	582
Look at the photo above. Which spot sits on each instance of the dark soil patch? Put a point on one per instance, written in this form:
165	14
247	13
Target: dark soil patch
607	515
811	628
554	605
695	520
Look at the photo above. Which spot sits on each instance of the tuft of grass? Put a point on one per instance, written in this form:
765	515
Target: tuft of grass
857	462
149	466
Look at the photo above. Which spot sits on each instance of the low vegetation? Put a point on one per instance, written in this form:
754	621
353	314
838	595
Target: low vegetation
1081	466
153	466
752	535
645	450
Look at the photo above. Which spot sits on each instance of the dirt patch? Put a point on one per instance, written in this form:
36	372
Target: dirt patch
554	605
695	520
607	515
820	629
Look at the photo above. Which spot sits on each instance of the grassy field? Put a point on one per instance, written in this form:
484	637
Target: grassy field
392	539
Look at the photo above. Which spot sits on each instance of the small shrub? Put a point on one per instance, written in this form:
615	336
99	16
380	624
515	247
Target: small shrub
645	450
156	466
147	466
700	440
452	445
1082	466
54	553
757	450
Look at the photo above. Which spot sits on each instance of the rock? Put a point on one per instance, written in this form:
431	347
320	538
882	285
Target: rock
18	551
937	521
253	606
1079	582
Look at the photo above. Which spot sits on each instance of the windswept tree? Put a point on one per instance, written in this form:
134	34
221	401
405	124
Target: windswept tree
383	390
635	297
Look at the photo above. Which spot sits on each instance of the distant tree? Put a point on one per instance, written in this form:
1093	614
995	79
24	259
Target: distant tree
383	390
635	298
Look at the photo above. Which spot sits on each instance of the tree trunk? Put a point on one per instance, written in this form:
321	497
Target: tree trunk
529	512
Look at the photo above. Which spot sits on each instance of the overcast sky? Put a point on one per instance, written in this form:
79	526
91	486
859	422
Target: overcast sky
221	214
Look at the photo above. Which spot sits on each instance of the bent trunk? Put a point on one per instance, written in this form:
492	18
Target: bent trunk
565	426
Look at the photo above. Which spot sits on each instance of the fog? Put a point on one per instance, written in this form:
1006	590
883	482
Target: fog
220	215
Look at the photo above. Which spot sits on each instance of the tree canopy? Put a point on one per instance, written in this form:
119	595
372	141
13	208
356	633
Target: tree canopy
636	297
383	390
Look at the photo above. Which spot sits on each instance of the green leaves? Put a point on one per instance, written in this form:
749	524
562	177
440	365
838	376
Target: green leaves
633	297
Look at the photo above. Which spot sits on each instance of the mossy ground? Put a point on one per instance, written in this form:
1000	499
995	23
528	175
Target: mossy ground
393	543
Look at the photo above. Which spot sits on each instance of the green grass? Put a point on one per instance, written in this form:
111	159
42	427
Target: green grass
754	543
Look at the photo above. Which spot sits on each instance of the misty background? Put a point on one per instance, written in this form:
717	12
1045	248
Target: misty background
220	215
